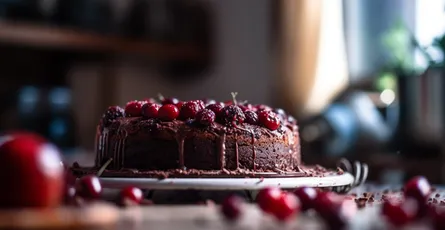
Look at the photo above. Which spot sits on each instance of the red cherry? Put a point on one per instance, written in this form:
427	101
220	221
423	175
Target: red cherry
399	213
251	117
286	206
69	195
232	207
172	101
267	197
134	108
150	110
263	108
168	112
438	216
269	119
131	196
150	100
179	105
307	197
205	117
216	108
334	209
190	108
112	113
31	172
418	188
89	187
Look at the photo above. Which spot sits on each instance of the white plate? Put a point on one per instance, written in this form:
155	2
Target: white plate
228	183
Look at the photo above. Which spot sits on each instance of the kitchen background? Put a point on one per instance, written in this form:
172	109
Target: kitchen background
364	78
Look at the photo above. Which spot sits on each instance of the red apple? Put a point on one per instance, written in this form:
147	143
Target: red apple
30	172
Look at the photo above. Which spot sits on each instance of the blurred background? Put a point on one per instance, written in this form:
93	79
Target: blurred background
364	78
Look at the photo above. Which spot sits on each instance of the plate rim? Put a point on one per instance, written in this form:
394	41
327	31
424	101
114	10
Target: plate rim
334	180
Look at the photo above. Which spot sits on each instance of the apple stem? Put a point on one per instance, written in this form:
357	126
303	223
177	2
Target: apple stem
104	166
234	97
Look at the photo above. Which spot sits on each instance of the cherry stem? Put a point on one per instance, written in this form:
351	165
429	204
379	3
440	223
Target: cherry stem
160	97
234	97
104	166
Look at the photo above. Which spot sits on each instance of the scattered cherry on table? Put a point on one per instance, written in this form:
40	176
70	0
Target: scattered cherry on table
89	187
131	196
232	207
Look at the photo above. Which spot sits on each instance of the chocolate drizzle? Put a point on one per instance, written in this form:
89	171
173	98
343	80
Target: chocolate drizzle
180	139
236	151
222	148
252	142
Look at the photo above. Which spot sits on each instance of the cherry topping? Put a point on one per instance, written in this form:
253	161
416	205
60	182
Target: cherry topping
112	113
269	119
251	117
418	188
267	197
205	117
216	108
150	100
263	107
209	102
150	110
190	108
172	101
307	197
232	114
89	187
130	196
168	112
399	213
179	105
134	108
232	207
286	206
334	209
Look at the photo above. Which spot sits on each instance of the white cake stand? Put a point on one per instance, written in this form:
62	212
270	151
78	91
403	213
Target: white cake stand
335	180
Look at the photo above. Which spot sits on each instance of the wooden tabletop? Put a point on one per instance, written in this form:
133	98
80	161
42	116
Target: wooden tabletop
187	217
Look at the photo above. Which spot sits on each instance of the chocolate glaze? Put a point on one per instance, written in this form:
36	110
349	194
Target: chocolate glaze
151	144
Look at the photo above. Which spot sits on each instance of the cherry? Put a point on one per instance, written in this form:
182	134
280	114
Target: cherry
232	115
150	101
216	108
267	197
179	105
307	197
263	108
89	187
399	213
232	207
172	101
69	195
112	113
131	196
269	119
334	209
245	107
150	110
190	108
168	112
134	108
209	102
205	117
251	117
31	173
438	217
418	188
286	206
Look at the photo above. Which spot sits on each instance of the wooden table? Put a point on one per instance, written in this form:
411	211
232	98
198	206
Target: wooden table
187	217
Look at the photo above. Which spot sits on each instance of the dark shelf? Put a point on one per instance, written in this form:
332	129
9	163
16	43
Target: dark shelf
48	37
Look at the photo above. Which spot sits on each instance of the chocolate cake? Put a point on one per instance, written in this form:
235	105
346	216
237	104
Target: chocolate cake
196	135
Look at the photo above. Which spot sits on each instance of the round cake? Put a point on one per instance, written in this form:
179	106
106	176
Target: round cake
200	135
